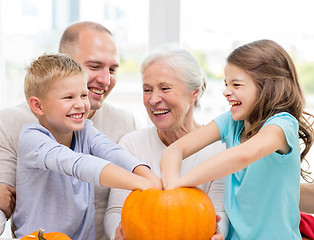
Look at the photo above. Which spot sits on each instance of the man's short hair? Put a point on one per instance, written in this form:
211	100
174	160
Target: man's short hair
71	34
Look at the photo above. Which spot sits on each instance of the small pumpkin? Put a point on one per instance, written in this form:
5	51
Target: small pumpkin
40	235
182	213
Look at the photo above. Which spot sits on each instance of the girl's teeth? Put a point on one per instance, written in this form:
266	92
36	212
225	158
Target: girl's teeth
234	103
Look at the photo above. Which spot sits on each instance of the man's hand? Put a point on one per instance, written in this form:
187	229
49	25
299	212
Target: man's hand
7	199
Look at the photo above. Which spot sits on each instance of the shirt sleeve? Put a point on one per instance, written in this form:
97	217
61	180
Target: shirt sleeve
38	149
3	220
104	148
216	193
116	198
8	151
114	209
289	126
223	122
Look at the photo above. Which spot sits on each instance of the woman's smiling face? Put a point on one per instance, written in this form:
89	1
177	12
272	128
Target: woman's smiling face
166	97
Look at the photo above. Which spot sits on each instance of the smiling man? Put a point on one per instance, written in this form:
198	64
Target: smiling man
87	42
93	46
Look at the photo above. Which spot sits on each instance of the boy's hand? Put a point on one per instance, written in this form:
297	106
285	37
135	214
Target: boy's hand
145	172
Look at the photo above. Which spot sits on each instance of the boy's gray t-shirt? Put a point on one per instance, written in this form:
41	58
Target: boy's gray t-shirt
55	184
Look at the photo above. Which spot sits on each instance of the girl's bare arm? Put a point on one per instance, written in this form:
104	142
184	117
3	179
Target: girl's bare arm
270	139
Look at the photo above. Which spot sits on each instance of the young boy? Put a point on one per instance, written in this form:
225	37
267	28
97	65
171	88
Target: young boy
63	156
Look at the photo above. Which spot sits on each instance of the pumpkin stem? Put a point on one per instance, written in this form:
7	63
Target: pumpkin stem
41	234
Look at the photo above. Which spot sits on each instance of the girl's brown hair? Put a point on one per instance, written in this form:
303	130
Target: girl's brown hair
278	88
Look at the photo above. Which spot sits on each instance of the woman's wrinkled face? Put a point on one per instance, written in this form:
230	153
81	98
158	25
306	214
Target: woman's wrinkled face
168	101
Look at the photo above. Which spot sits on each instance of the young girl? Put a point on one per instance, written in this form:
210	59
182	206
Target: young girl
261	131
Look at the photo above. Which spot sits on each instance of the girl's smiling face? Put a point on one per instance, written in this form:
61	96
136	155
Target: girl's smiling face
241	92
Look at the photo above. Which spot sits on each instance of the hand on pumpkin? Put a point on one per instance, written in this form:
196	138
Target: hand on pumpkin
144	171
218	235
119	233
7	199
171	182
114	176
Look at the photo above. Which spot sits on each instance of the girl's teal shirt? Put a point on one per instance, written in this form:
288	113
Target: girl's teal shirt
262	200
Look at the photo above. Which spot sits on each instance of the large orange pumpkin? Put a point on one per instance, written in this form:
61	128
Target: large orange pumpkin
177	214
40	235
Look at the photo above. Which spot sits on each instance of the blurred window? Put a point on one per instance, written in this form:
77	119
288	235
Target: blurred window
209	29
30	28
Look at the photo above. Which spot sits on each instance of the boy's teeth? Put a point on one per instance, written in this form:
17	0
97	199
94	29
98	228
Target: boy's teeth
77	116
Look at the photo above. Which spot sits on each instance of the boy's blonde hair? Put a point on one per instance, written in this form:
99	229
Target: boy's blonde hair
45	70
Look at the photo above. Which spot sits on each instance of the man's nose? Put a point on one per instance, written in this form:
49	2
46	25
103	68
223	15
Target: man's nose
104	77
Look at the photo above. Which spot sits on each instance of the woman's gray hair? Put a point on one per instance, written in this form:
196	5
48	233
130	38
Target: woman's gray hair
182	62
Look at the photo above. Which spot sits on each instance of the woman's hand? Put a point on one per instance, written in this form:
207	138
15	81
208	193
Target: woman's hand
7	199
119	233
218	235
171	183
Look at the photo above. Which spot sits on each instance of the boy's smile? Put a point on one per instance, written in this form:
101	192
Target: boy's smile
65	106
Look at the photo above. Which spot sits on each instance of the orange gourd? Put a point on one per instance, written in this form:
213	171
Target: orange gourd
40	235
176	214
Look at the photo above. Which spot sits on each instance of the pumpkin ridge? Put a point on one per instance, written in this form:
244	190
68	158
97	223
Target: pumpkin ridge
183	197
155	217
201	219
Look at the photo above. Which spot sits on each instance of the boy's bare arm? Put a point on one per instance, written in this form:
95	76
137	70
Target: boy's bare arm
116	177
144	171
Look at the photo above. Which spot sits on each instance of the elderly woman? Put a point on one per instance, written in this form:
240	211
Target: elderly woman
173	82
